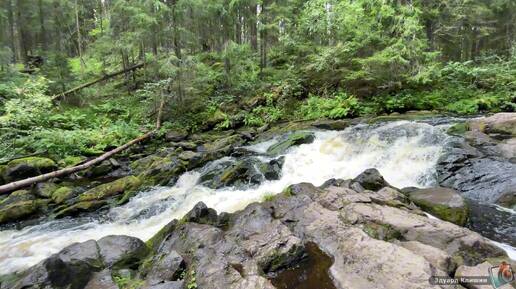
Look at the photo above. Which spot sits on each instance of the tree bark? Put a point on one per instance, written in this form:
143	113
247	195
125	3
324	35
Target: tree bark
10	18
79	40
105	77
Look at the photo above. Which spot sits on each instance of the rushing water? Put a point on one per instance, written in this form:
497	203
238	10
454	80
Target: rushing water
404	152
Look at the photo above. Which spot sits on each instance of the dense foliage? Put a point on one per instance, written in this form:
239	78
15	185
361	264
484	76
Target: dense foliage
223	64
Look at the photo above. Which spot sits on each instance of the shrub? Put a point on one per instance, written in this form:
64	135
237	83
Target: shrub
339	106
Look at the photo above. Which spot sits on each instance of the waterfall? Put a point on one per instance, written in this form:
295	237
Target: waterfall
404	152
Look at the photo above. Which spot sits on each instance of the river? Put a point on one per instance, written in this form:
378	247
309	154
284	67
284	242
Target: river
404	152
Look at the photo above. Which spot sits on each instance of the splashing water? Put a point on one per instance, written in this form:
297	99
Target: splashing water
404	152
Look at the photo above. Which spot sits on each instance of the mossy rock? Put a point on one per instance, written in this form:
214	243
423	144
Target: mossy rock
383	232
458	129
71	161
140	165
17	196
2	170
27	167
444	203
86	206
20	205
45	190
163	171
217	117
291	140
62	194
115	188
156	240
507	200
224	144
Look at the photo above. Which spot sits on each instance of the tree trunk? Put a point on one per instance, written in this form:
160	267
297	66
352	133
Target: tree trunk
10	18
79	40
43	30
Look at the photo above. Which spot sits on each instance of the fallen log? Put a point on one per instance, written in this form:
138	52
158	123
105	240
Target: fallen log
66	171
105	77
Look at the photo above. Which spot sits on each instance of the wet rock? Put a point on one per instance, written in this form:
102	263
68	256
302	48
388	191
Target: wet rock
478	173
163	171
122	251
62	194
507	200
102	169
332	124
444	203
71	268
193	159
371	179
500	123
101	280
45	190
27	167
166	285
272	169
294	139
165	267
79	207
121	186
20	205
175	135
201	214
239	173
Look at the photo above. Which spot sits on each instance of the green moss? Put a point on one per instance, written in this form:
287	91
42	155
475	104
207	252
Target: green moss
36	162
17	211
126	282
126	184
294	139
62	194
87	206
458	129
70	161
269	197
456	215
154	242
46	189
381	231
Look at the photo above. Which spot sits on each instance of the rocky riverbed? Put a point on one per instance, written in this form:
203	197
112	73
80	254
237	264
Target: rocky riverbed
334	231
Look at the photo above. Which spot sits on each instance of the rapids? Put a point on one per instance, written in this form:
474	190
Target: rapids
404	152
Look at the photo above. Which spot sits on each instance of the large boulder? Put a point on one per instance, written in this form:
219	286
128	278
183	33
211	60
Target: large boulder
371	179
125	185
71	268
87	265
500	123
293	139
20	205
165	267
249	171
122	251
27	167
443	203
115	192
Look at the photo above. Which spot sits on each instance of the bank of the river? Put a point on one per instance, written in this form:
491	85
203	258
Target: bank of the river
139	194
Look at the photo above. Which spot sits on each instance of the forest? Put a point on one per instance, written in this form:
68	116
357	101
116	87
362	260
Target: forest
224	64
